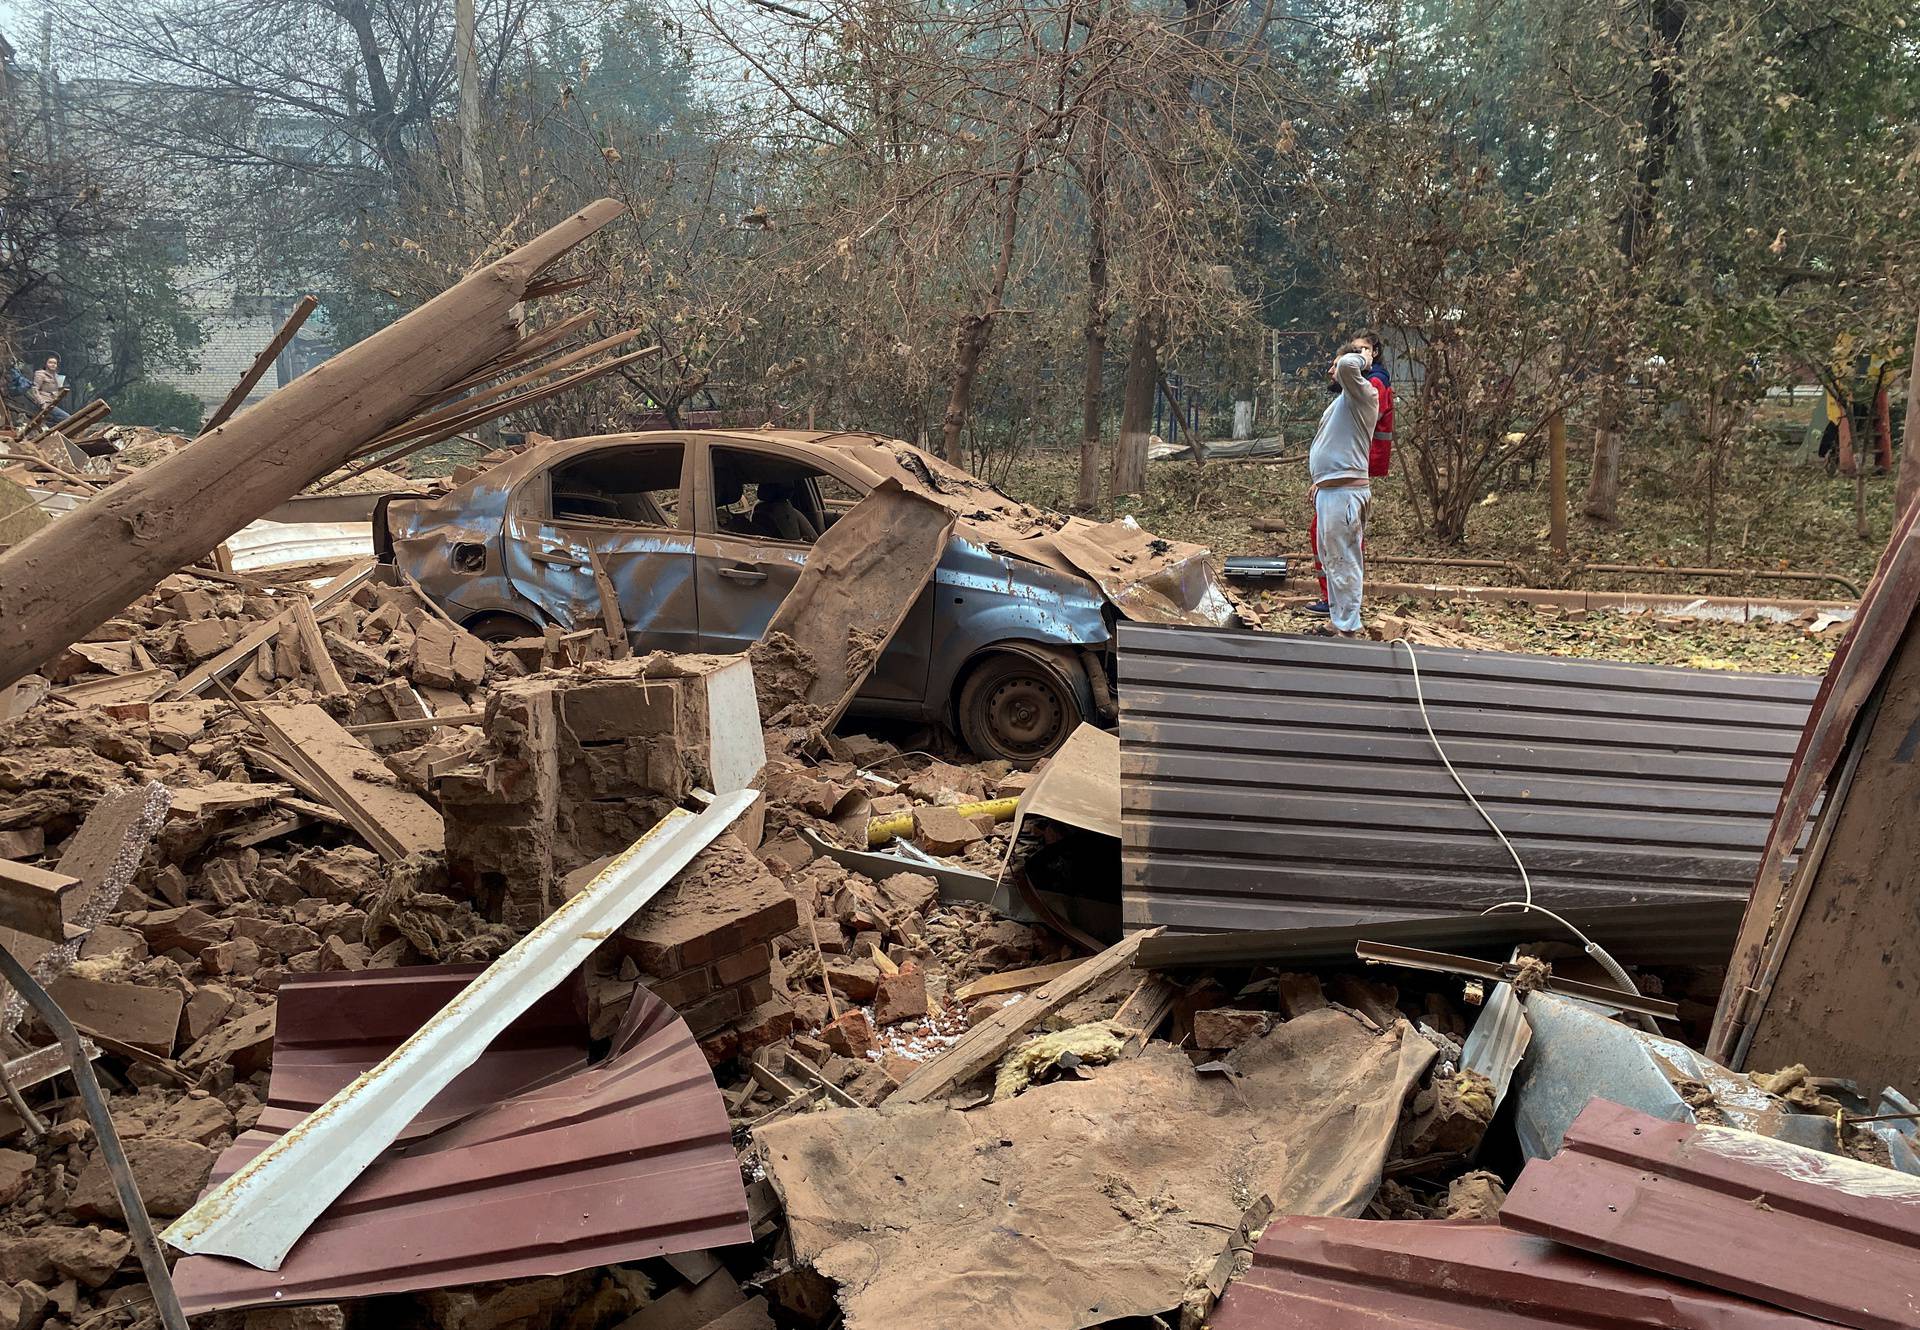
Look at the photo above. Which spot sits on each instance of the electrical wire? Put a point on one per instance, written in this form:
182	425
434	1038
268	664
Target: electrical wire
1526	903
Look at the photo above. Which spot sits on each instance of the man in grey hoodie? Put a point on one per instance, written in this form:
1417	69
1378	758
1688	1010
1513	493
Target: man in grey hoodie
1342	492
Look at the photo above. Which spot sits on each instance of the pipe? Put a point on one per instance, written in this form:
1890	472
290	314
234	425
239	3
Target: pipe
884	829
1781	575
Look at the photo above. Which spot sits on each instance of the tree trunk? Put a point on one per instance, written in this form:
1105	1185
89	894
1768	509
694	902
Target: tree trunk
1603	483
1096	327
971	337
969	344
1136	412
1636	223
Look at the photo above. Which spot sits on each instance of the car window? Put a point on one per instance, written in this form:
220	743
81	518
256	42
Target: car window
770	497
623	485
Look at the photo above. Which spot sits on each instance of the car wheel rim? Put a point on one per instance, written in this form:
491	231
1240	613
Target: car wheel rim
1023	716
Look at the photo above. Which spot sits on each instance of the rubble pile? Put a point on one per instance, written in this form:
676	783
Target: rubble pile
414	979
813	990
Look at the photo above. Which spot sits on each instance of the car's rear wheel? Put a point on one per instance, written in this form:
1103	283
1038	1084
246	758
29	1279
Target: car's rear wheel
500	626
1016	708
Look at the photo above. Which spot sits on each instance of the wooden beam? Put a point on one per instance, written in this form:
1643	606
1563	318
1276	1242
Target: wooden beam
418	723
30	899
314	648
492	411
979	1049
258	369
610	620
1010	981
165	516
433	420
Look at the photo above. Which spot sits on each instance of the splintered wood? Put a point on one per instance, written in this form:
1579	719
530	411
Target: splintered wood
984	1045
392	820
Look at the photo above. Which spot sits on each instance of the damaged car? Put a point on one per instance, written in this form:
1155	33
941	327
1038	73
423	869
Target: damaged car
700	534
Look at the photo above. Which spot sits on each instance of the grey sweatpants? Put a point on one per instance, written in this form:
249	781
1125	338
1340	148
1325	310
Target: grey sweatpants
1342	515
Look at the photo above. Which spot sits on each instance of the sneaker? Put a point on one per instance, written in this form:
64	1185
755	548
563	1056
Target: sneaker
1319	607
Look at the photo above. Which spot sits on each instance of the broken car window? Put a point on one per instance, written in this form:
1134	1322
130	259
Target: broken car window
773	498
635	484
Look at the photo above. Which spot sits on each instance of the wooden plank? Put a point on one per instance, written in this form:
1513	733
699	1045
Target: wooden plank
30	899
980	1048
1146	1009
1010	980
224	796
261	363
138	686
314	648
43	1064
379	727
395	822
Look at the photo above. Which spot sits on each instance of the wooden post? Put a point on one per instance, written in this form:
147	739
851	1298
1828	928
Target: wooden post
1557	482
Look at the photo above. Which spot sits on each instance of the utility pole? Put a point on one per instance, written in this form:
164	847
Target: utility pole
466	60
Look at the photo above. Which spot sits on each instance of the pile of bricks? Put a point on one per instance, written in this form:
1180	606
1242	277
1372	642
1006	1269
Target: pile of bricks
578	765
704	945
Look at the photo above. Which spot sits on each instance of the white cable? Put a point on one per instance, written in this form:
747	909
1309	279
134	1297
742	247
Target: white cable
1592	948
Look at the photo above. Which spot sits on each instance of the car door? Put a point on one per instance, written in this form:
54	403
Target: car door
743	575
740	576
623	506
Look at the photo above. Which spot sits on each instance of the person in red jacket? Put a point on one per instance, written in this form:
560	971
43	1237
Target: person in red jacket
1379	457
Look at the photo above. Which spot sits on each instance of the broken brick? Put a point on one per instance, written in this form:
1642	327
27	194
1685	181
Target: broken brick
1228	1027
851	1035
245	1044
16	1170
858	980
169	1172
23	1306
900	997
941	830
241	956
147	1018
314	1316
186	928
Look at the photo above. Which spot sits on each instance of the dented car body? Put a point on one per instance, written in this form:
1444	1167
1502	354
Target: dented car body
702	533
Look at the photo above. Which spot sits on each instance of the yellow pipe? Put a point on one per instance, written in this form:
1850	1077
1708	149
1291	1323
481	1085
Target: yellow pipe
895	825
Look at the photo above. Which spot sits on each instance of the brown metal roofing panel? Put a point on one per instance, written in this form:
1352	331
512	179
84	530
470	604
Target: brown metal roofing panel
1272	781
1822	1234
1363	1274
540	1163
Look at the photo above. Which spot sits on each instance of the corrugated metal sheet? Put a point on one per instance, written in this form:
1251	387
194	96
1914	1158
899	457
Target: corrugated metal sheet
533	1162
1829	1236
1361	1274
1696	932
1286	782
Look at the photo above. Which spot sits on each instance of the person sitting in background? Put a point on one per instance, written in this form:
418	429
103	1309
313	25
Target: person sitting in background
47	389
